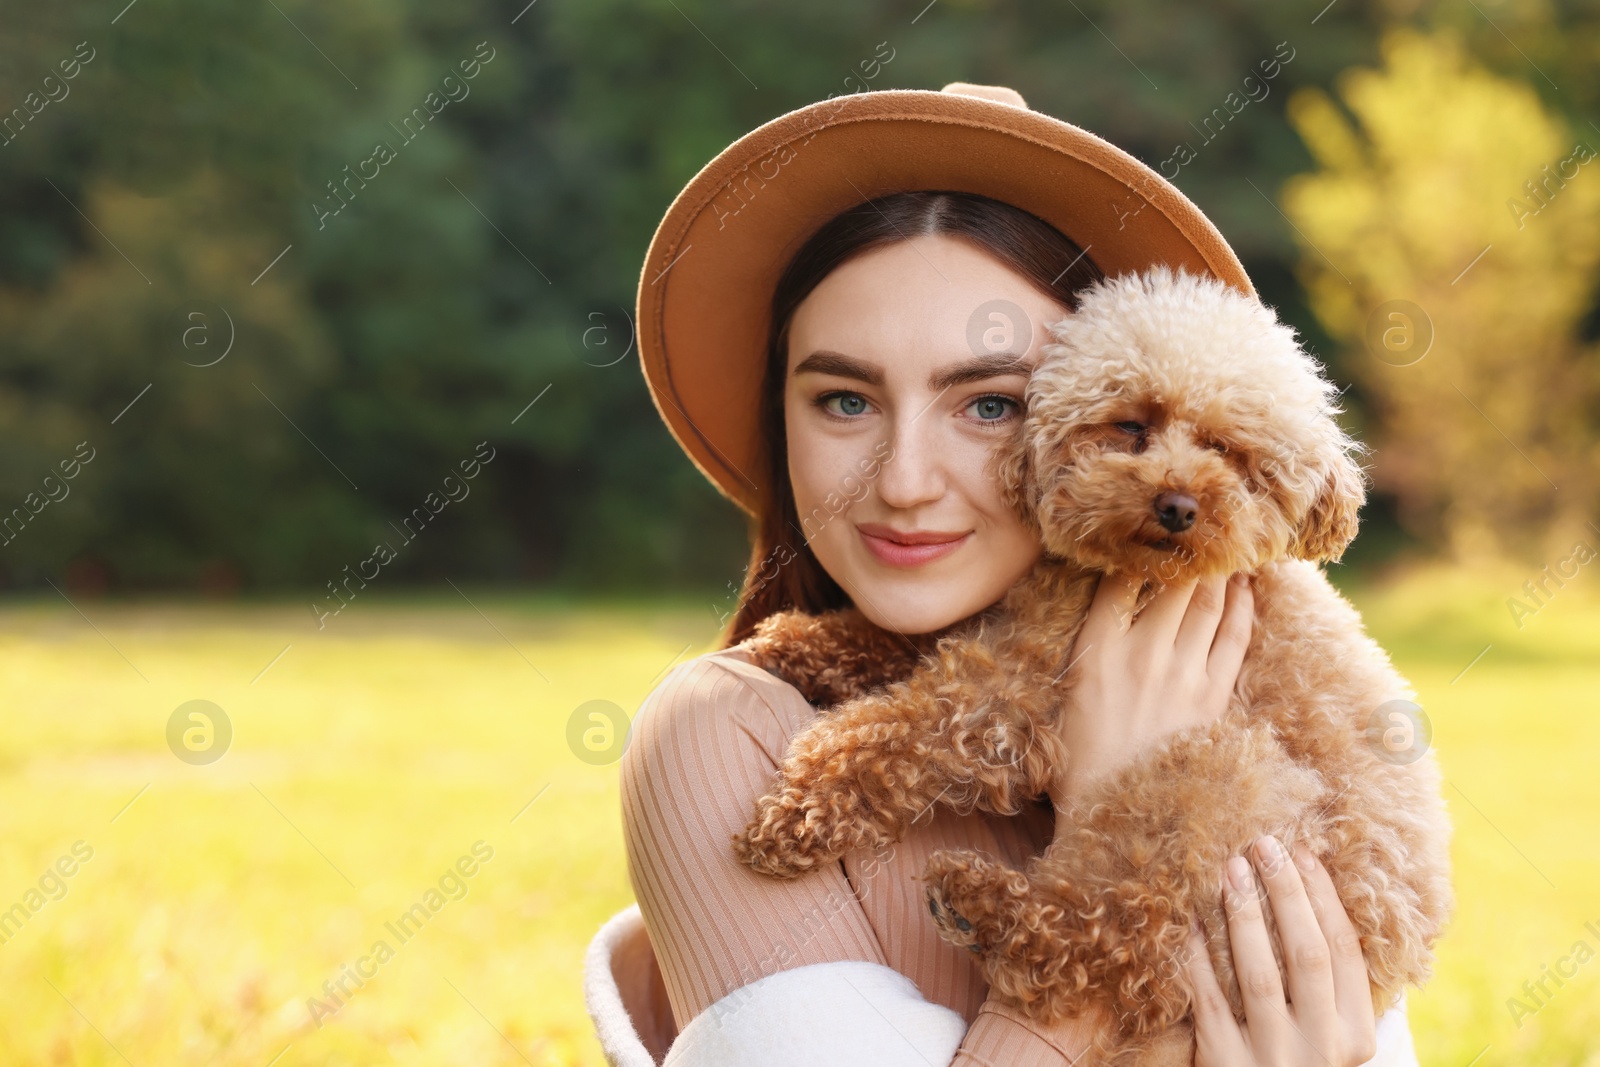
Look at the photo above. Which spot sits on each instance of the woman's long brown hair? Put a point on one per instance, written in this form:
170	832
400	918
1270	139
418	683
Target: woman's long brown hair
783	573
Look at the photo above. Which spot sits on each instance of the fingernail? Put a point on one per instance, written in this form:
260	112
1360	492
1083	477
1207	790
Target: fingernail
1239	874
1303	858
1238	578
1270	851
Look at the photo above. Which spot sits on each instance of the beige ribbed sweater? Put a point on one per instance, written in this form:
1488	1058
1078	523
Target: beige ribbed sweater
706	743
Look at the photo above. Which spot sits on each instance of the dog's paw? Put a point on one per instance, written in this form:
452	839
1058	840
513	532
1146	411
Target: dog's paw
797	830
1017	934
970	899
777	842
953	926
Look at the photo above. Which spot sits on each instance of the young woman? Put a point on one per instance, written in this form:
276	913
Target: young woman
898	341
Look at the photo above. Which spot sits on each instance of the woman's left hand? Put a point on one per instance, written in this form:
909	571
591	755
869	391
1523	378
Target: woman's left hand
1328	1017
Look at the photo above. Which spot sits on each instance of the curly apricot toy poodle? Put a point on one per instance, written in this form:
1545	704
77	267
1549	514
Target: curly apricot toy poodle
1176	429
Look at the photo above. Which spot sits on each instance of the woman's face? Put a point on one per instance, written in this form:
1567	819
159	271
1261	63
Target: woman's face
906	372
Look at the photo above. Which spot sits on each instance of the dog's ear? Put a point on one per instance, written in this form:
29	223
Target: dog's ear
1330	523
1015	473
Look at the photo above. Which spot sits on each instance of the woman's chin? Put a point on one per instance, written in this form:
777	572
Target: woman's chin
927	598
927	611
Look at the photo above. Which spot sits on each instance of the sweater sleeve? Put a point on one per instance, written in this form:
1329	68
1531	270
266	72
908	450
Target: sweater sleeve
706	743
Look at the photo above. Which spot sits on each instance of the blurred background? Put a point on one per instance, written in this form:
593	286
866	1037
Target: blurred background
283	282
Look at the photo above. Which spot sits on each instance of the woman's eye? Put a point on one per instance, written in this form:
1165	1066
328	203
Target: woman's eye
846	404
992	408
1131	427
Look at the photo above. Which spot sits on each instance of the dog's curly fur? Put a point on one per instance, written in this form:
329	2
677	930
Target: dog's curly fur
1240	419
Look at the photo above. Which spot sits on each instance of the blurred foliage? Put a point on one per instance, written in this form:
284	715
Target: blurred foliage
1463	321
493	261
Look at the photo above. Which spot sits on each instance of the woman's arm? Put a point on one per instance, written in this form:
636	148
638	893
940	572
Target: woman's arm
705	744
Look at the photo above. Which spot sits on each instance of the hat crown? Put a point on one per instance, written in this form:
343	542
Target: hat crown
1000	94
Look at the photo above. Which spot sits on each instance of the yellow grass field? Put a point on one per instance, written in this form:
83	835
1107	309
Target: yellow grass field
384	757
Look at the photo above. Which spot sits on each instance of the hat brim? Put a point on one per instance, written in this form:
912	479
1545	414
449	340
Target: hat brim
706	288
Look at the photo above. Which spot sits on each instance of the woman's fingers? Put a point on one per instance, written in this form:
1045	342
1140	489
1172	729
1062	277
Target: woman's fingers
1233	632
1265	1009
1198	627
1111	611
1218	1039
1161	618
1352	988
1305	951
1227	652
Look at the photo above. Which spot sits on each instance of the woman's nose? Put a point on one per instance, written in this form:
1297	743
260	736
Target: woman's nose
915	475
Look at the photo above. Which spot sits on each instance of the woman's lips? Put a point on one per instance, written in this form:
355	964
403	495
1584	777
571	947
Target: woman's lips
899	549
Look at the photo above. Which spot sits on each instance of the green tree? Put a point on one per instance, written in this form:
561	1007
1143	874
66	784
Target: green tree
1450	239
490	259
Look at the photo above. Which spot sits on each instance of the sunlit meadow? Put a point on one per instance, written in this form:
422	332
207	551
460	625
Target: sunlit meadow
220	904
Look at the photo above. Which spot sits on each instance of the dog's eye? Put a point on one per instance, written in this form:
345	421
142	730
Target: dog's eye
1131	427
1219	446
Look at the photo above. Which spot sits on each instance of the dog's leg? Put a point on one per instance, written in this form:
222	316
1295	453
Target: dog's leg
1059	948
972	727
1052	966
967	730
856	779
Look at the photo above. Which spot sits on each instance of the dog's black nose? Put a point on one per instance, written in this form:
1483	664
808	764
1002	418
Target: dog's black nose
1176	511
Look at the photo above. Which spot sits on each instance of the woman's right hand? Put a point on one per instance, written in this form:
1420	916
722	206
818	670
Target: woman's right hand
1131	683
1324	1018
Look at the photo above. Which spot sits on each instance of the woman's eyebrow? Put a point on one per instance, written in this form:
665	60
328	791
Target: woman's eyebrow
841	366
989	365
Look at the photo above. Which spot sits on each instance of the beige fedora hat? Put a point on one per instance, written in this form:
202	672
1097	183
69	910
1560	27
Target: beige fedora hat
707	283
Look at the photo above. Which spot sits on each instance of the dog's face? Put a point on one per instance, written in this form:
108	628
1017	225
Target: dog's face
1178	430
